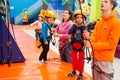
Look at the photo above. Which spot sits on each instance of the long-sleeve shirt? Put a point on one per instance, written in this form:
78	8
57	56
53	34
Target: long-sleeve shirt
46	32
77	33
63	29
105	38
37	24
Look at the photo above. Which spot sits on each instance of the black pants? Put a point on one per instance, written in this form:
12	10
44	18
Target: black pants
44	52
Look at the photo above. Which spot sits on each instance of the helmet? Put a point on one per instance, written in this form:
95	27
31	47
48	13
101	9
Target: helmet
79	12
50	14
42	13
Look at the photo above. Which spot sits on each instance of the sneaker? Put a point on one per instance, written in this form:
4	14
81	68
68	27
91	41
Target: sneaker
39	62
46	62
80	78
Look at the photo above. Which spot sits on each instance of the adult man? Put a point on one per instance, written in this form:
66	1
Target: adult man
104	41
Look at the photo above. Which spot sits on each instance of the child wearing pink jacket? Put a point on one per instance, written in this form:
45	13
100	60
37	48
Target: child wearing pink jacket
38	27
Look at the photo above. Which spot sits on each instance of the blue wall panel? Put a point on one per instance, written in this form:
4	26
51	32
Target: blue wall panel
19	5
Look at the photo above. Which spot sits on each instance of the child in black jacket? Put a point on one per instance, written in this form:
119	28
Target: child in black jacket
77	52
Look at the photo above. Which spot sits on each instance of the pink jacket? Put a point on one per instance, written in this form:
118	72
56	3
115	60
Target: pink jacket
63	29
37	24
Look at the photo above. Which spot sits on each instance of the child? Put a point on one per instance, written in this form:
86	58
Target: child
46	35
38	25
77	52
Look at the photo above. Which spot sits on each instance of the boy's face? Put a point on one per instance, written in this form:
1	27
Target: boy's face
51	20
79	19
